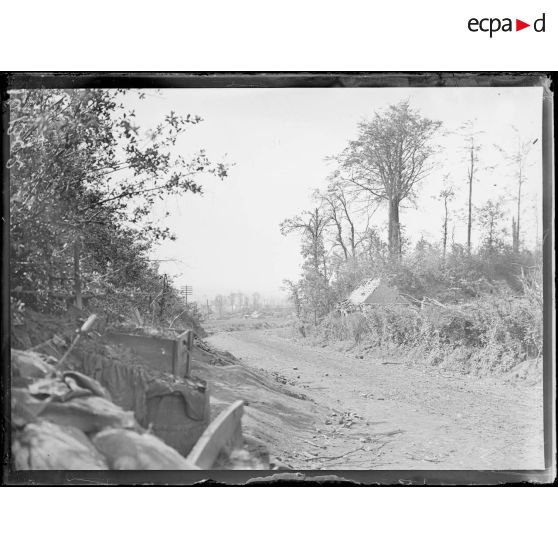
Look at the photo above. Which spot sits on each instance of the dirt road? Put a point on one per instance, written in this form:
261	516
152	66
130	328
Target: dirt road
369	414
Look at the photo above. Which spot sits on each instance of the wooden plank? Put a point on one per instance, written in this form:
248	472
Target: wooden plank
223	434
157	352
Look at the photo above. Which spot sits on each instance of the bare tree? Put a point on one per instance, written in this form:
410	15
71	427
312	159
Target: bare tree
311	224
518	159
338	203
232	300
331	202
219	303
388	159
446	195
244	301
472	148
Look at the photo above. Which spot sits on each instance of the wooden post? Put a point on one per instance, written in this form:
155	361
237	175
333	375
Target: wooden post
182	359
189	346
77	274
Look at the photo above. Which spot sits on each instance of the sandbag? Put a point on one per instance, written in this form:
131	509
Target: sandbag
43	445
126	449
66	386
88	414
192	390
25	407
178	412
28	364
85	382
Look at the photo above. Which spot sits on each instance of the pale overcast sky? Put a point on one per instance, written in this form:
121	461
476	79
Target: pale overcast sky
229	239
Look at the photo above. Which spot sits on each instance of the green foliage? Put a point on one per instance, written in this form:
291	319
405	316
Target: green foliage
389	159
315	296
82	171
490	217
489	335
478	313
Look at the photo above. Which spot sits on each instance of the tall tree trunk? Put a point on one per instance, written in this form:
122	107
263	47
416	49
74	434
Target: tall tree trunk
352	234
394	230
470	220
340	238
339	227
514	236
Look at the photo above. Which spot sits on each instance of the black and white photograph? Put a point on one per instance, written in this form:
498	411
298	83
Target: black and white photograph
277	277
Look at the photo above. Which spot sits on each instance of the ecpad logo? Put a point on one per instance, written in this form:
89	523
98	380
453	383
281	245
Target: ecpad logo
494	24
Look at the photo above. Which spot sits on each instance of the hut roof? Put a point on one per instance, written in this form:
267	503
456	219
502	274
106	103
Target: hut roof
375	291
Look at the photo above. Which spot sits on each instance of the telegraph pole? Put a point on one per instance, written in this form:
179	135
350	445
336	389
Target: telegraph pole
185	291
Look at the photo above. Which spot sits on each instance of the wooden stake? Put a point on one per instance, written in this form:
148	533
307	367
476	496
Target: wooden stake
189	346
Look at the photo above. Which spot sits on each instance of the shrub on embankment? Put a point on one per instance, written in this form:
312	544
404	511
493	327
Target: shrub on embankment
491	334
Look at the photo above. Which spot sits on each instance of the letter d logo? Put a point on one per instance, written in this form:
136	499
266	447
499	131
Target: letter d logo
539	24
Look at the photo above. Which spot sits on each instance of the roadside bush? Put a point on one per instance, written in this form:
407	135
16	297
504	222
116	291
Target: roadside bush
490	335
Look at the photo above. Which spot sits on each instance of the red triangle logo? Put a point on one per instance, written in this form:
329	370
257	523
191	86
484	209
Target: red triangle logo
519	25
